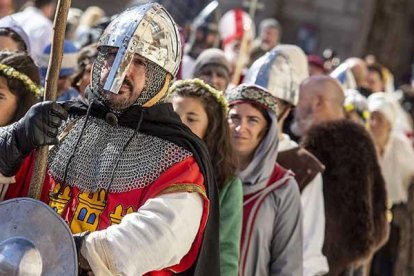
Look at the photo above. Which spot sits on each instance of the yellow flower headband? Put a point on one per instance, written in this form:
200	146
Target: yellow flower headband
362	113
10	72
217	95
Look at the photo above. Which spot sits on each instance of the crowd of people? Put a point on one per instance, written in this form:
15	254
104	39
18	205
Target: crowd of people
222	154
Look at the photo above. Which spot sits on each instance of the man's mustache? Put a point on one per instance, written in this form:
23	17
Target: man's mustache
128	83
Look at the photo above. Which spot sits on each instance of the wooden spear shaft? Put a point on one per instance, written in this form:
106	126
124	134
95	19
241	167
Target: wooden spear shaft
52	77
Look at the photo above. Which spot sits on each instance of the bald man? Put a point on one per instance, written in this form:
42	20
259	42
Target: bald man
353	186
321	99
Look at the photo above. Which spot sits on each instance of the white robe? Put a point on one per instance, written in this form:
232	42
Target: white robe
397	166
314	262
157	236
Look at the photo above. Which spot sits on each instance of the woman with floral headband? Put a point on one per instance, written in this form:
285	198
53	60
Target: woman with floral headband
271	235
204	110
19	90
19	86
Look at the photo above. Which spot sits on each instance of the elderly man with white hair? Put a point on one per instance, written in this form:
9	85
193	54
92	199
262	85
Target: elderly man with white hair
353	187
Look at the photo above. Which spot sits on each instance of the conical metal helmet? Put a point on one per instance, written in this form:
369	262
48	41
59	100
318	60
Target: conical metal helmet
147	30
281	71
34	240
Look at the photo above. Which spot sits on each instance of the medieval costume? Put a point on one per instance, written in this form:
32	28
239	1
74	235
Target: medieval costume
396	158
235	26
215	134
354	193
212	67
272	218
231	213
136	183
307	169
281	71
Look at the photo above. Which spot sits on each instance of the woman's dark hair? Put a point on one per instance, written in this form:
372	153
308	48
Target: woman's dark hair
7	32
265	115
217	136
263	111
23	63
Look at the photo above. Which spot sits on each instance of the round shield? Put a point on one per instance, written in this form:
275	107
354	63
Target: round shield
32	233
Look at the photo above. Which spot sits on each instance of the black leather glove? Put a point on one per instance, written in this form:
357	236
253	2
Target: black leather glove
39	127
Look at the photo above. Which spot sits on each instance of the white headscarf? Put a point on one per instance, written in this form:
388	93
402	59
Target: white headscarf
257	174
384	104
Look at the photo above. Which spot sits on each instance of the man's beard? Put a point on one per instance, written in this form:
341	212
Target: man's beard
300	126
118	102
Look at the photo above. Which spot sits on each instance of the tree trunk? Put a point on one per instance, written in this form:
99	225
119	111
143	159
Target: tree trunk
391	38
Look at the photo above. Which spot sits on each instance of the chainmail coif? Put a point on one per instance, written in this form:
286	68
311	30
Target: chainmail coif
154	80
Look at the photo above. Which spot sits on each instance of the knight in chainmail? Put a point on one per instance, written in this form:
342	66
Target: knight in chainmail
132	182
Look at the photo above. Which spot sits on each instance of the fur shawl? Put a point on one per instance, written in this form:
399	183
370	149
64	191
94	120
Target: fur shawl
354	193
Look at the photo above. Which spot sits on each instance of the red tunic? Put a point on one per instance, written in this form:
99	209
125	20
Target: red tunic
85	211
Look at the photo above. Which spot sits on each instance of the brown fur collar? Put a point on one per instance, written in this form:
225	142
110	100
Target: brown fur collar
354	192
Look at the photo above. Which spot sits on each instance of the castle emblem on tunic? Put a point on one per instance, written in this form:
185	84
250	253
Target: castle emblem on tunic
118	214
57	199
90	207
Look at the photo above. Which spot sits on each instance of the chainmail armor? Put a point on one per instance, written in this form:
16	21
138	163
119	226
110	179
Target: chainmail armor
142	162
